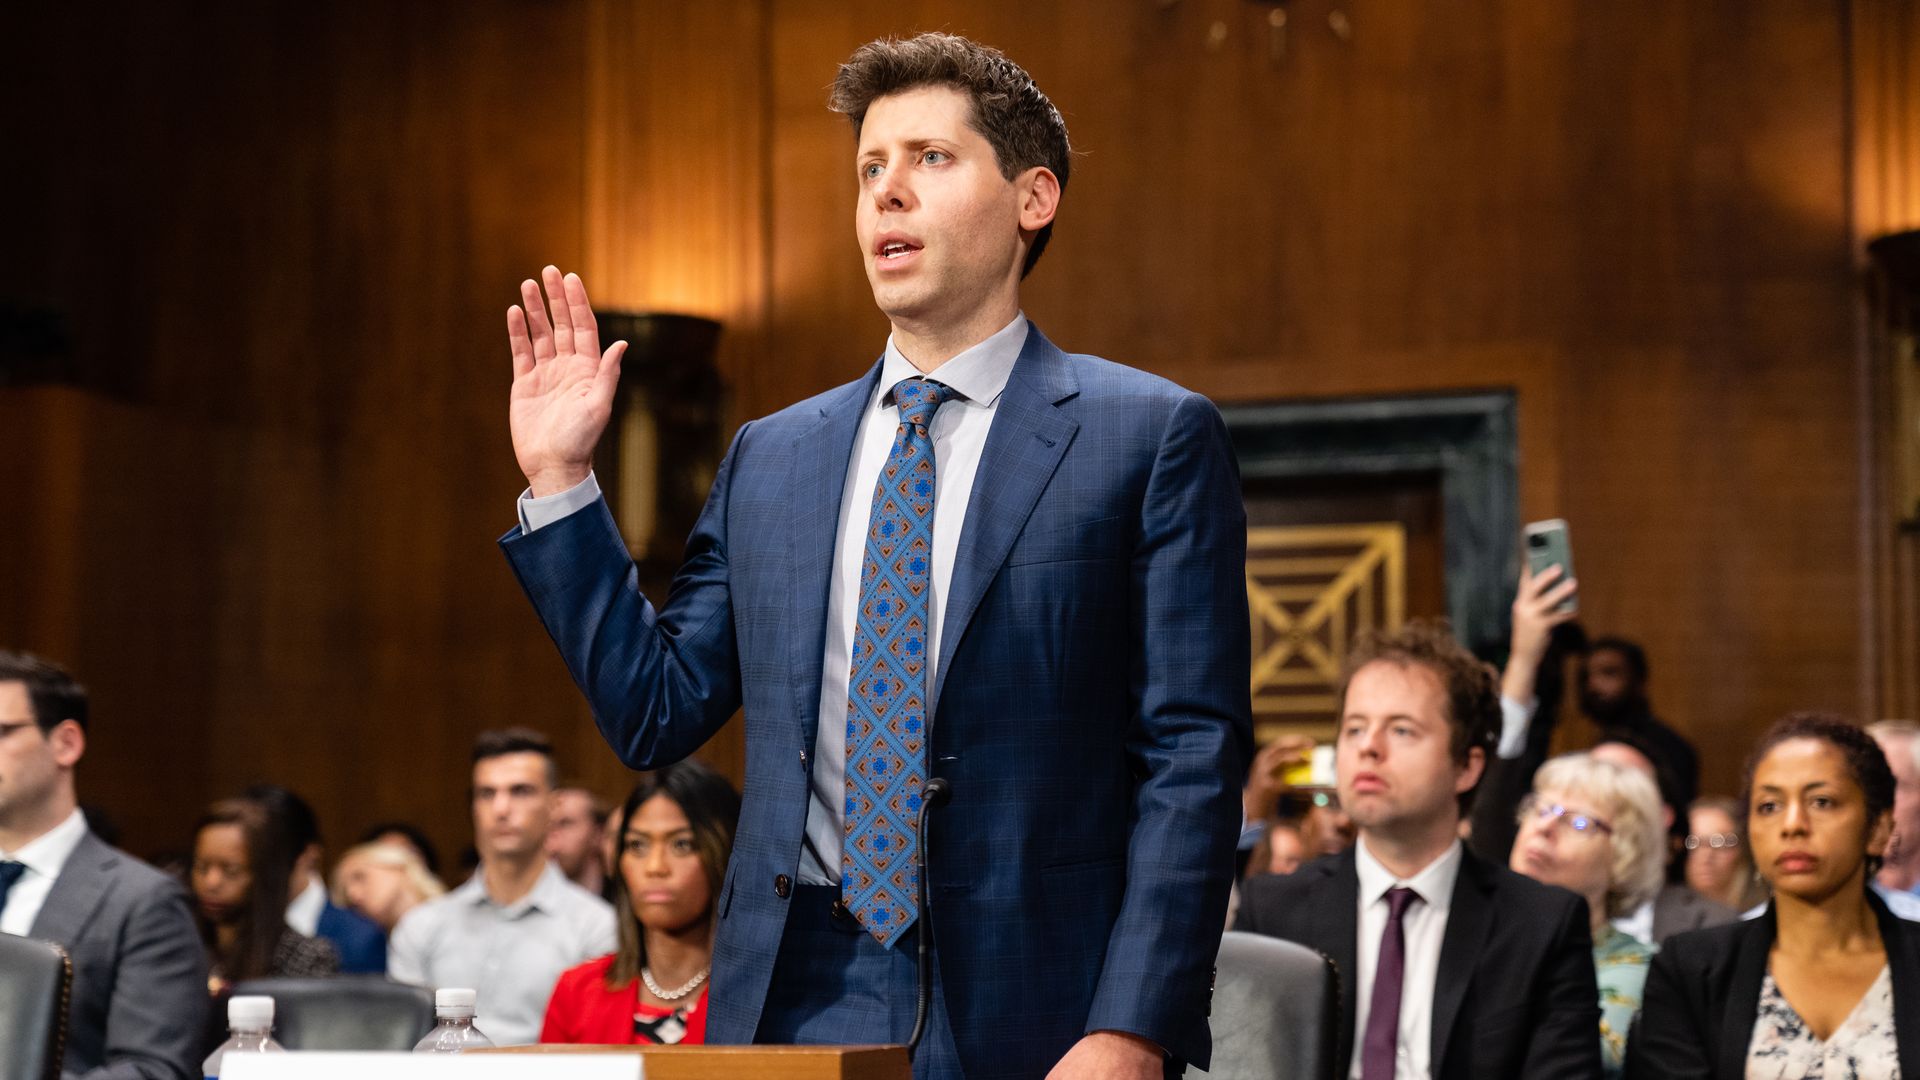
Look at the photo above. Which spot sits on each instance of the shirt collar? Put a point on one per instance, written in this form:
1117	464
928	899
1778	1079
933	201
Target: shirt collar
304	910
1434	882
47	854
542	897
978	374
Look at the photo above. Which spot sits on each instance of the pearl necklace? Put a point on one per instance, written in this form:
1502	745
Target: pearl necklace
646	976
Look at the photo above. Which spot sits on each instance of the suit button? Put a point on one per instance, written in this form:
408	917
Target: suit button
782	886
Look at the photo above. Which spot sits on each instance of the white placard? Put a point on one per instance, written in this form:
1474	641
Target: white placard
303	1065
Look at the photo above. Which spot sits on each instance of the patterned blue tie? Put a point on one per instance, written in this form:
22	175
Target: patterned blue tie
887	695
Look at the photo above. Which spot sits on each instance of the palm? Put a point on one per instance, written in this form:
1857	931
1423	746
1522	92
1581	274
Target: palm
563	384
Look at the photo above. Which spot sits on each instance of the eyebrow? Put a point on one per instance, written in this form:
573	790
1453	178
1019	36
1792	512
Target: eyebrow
911	144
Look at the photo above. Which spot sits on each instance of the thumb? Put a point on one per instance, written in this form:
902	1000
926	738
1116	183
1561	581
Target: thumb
607	376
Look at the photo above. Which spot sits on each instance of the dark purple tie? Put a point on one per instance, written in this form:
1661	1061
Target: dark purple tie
1377	1053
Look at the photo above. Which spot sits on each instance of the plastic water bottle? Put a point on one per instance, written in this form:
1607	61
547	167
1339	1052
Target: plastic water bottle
453	1030
251	1021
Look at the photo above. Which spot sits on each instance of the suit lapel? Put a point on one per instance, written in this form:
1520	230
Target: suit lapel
1742	1007
1903	958
76	893
1469	919
1337	934
816	484
1024	446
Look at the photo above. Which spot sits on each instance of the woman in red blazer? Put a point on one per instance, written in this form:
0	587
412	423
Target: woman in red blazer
676	832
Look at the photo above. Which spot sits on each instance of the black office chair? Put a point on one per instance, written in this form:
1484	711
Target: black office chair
1276	1011
36	980
346	1012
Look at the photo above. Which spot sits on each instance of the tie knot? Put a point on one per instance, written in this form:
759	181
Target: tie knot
9	873
917	399
1399	899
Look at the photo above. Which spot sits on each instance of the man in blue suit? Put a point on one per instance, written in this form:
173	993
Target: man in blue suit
986	562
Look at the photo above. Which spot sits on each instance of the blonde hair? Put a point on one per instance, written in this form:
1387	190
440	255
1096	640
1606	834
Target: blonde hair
395	857
1631	803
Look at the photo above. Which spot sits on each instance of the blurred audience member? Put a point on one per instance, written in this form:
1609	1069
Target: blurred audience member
676	832
518	922
1326	828
1280	850
1719	867
1593	828
1822	983
383	881
1613	694
1675	908
1900	741
138	1001
1459	967
405	834
361	944
241	867
576	839
1531	688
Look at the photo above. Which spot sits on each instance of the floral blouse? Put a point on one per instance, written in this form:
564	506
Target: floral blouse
1620	963
1861	1048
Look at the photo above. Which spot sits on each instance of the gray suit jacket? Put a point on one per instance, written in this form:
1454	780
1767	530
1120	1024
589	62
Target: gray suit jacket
1677	908
139	969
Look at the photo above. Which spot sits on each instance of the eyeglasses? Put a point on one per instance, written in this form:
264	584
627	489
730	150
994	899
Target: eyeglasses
1545	814
1716	841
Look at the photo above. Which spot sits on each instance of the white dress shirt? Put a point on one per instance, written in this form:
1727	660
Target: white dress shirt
304	911
959	432
44	856
1423	927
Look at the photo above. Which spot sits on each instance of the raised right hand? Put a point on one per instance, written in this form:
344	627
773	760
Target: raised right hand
563	384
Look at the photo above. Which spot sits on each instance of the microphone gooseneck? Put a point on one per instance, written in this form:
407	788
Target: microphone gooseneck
936	793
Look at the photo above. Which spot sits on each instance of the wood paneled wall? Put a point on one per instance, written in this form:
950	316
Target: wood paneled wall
292	233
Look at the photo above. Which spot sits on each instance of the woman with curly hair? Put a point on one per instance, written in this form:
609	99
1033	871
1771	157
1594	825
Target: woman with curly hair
1826	982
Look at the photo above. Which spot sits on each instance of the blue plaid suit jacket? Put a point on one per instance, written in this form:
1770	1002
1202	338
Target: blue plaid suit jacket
1091	707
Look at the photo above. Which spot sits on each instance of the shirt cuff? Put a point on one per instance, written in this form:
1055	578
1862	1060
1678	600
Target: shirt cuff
1514	720
547	509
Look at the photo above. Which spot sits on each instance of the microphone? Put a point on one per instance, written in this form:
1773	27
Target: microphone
936	793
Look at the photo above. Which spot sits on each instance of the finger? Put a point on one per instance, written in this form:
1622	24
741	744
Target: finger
537	330
1560	592
586	331
557	306
606	378
518	342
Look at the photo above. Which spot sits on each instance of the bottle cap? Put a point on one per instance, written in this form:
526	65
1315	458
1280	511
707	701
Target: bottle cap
250	1011
458	1002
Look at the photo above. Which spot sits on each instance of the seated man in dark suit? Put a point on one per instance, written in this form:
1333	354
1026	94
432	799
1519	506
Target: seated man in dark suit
139	999
1450	966
361	943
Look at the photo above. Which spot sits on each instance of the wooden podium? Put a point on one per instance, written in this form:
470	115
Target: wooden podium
749	1062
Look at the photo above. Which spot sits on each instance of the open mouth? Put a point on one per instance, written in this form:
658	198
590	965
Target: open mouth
895	251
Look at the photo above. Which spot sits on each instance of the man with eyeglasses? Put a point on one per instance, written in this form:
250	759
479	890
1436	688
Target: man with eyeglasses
1450	966
139	998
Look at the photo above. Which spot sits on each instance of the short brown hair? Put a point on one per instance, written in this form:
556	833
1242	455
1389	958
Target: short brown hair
1472	688
1019	122
55	695
516	740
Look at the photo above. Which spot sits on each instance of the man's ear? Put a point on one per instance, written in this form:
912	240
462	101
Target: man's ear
1470	773
1039	192
69	742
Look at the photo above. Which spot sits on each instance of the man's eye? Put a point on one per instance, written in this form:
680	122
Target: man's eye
870	170
934	157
